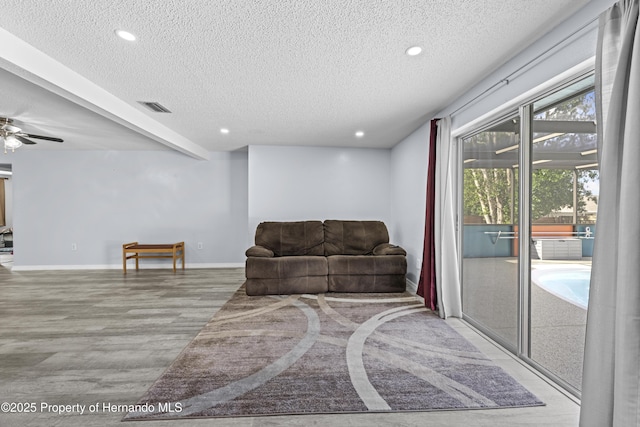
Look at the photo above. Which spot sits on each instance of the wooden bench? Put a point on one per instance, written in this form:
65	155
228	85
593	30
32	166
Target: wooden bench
139	251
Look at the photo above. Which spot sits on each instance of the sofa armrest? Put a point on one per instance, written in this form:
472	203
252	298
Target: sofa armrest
259	251
388	249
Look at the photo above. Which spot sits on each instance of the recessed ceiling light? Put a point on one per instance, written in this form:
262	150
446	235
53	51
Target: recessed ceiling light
359	134
414	50
224	130
125	35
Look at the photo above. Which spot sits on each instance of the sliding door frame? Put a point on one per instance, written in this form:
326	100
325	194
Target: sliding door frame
524	230
525	111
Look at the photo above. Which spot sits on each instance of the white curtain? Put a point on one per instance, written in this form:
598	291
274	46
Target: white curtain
611	376
447	266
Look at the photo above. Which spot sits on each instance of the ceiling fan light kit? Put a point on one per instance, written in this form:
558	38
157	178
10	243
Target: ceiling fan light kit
11	142
13	137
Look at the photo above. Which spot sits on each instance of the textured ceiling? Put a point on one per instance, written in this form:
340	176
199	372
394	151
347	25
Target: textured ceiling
272	72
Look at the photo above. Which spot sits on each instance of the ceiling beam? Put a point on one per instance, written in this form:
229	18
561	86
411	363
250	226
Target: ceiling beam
22	59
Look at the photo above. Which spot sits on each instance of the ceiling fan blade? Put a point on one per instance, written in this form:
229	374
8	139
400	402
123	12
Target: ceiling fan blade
24	140
48	138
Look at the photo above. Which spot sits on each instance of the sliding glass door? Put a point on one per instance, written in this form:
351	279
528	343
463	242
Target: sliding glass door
564	190
490	207
529	198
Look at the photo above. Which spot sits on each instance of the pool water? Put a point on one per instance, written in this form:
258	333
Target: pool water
570	285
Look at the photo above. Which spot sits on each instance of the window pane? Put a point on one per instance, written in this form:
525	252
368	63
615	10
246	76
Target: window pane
563	209
490	267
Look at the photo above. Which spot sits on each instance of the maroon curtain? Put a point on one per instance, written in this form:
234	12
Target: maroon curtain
427	282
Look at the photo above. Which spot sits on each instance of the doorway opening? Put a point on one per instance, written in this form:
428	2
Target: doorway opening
6	215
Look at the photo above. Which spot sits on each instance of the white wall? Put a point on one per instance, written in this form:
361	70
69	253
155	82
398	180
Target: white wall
99	200
318	183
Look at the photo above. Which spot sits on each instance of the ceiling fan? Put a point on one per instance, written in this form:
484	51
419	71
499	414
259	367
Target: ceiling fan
13	137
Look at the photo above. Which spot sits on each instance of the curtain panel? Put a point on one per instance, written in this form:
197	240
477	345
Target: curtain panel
439	282
427	281
611	373
448	288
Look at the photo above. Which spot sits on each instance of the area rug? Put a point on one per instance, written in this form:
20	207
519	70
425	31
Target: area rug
327	353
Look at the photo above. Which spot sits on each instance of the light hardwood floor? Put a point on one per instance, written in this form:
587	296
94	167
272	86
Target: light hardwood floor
100	337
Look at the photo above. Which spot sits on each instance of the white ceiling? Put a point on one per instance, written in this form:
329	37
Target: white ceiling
285	72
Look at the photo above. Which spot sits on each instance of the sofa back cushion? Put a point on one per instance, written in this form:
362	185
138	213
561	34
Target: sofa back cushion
291	238
353	237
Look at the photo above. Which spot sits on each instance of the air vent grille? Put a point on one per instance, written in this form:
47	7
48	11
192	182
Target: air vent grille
156	107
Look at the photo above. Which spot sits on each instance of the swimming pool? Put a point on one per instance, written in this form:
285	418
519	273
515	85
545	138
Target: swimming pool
572	285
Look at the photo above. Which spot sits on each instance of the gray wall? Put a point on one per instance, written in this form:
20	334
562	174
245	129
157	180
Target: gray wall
298	183
409	161
99	200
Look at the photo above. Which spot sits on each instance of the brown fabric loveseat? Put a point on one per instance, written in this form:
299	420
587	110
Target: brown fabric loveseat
316	257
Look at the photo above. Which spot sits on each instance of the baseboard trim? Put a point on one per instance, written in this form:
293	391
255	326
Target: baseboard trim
412	287
119	266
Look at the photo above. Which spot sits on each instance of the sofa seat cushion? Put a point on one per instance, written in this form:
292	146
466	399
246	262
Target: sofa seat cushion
286	267
353	237
367	265
297	238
